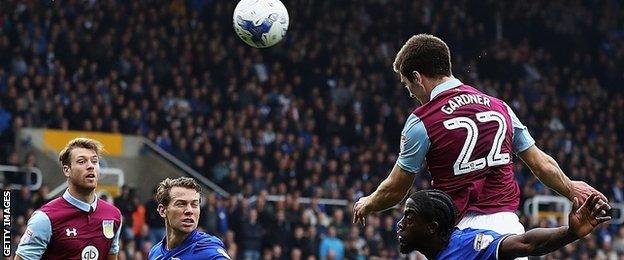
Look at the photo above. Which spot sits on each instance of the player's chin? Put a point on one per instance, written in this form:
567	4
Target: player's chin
89	185
188	227
404	249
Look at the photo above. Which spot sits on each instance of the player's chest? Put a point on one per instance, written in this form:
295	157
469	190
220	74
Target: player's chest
83	228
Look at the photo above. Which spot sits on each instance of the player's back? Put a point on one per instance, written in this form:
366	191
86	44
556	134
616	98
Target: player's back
470	151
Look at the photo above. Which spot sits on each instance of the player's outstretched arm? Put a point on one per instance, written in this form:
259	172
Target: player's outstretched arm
389	193
539	241
546	169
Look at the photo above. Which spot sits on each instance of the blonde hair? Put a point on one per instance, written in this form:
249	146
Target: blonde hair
81	142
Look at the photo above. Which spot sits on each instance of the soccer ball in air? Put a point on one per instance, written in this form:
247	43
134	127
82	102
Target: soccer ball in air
261	23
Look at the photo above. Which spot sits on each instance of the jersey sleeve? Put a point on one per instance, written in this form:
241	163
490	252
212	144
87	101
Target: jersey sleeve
414	145
115	246
36	238
522	140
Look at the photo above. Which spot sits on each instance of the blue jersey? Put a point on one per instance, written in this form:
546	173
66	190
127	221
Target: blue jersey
472	244
198	245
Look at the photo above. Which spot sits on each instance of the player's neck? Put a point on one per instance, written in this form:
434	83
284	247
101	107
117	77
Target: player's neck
434	82
86	196
432	250
174	238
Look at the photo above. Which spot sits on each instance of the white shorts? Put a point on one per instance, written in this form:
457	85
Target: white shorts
501	222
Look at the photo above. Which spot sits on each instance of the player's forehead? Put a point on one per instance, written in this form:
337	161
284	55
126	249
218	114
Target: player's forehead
80	152
410	206
183	194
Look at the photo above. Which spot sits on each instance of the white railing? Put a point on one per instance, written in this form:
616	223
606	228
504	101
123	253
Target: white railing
562	206
21	170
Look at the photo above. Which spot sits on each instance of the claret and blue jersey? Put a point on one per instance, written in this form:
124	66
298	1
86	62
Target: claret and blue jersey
465	138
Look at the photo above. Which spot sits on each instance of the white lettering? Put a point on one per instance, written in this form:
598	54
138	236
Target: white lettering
6	223
479	99
447	110
459	100
486	101
453	105
467	99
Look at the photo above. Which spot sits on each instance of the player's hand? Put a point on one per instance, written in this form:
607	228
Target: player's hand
584	218
360	210
582	191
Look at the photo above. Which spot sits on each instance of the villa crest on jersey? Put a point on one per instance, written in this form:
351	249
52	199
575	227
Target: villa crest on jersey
466	139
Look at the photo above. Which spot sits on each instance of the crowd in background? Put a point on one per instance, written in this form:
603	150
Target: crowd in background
319	115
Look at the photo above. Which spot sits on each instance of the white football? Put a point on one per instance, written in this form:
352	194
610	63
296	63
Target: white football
261	23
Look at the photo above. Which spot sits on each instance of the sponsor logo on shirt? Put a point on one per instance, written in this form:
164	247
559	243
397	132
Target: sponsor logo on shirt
482	241
89	253
71	232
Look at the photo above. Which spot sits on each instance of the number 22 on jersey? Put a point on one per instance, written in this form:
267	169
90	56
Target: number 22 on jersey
463	164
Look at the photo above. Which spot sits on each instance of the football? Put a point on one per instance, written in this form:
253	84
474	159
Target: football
261	23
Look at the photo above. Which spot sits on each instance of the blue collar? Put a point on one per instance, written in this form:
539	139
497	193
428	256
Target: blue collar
79	204
445	86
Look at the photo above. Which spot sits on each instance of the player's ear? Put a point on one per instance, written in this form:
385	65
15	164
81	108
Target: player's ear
417	77
161	210
66	170
432	228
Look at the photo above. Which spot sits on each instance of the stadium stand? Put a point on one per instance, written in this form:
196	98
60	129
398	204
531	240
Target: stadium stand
316	116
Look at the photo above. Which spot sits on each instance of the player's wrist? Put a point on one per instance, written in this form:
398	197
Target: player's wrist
570	233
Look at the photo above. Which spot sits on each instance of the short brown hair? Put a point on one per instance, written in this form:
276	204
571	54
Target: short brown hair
81	142
162	193
425	53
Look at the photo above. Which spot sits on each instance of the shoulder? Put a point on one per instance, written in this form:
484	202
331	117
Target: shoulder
108	207
207	243
411	122
53	204
56	209
476	243
155	251
39	220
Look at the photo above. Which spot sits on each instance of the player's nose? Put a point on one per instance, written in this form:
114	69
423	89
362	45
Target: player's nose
400	224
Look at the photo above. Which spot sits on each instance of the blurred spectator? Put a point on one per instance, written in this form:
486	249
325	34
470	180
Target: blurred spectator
331	246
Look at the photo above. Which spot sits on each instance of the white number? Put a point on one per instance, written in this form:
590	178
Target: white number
462	164
495	158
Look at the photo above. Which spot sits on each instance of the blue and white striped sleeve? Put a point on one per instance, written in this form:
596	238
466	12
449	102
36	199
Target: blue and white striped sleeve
414	145
36	238
522	140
